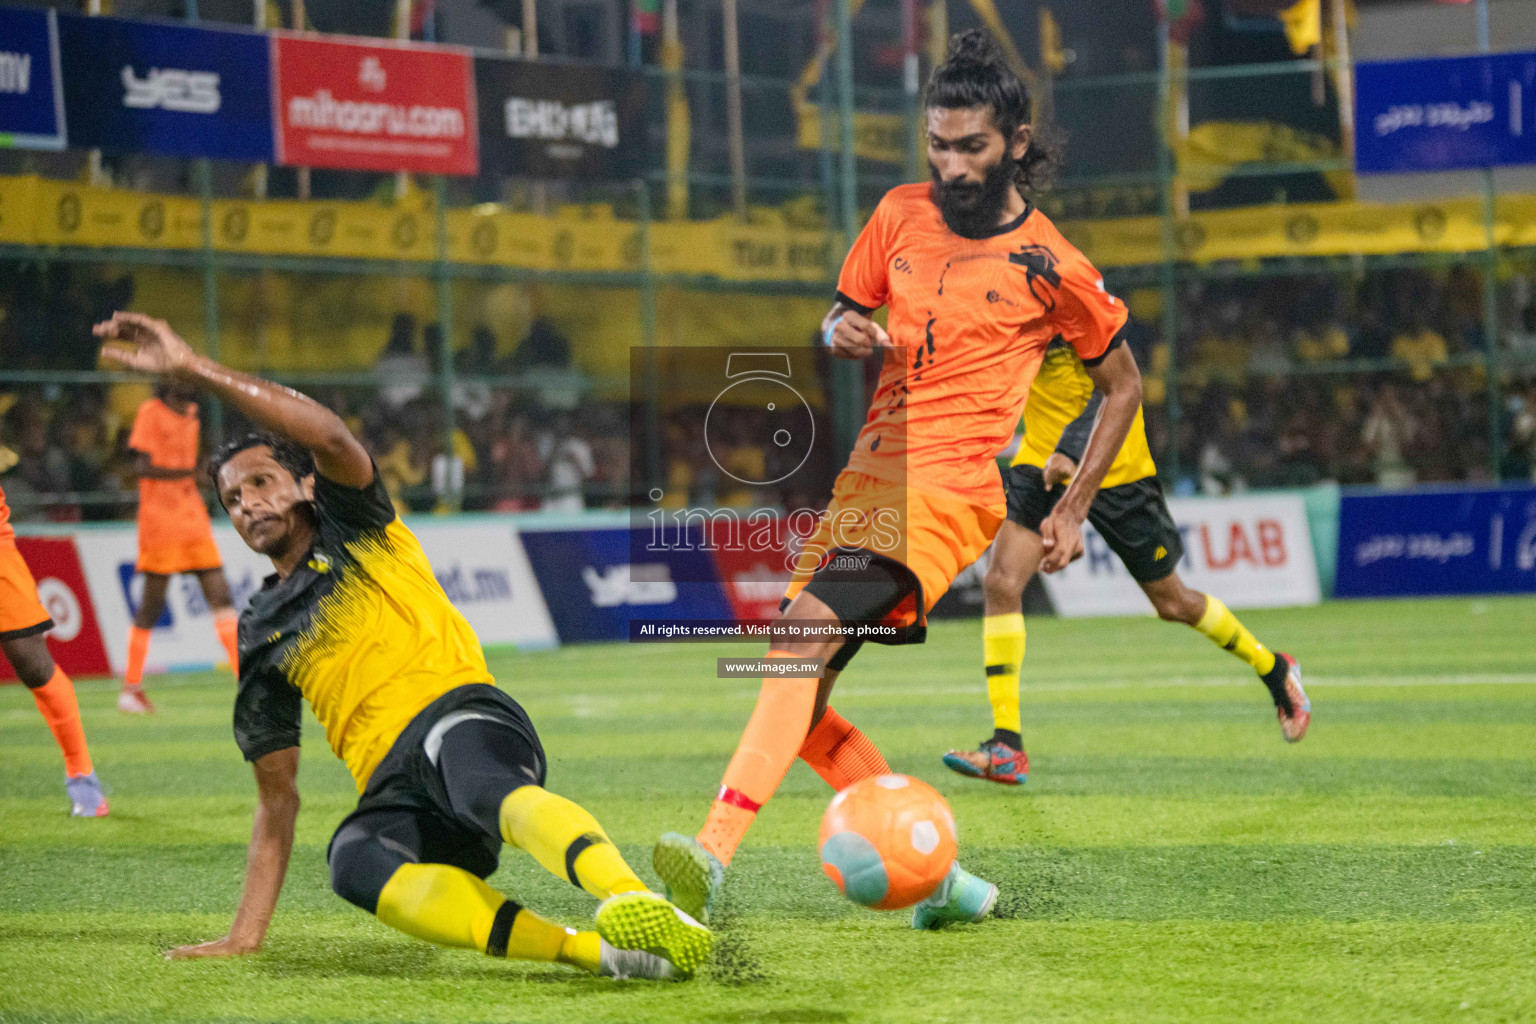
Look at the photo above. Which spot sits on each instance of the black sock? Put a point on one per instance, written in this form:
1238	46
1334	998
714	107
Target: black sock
1274	681
1009	737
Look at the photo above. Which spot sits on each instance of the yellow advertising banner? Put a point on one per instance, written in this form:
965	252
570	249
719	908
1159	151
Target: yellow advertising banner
38	211
18	205
64	213
876	135
405	231
1320	229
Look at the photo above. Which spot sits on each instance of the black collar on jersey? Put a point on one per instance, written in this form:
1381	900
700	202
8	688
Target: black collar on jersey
1001	229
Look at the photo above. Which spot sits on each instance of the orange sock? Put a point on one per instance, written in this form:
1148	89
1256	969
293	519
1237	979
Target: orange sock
768	747
840	753
138	648
56	700
228	625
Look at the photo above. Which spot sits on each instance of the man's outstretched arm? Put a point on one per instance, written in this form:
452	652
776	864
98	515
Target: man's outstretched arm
277	809
1120	381
139	342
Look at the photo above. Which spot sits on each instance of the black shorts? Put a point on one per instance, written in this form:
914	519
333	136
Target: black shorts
436	796
1132	518
866	594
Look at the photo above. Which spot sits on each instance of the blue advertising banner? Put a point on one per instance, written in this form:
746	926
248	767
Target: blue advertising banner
1445	113
173	89
1448	542
593	585
31	99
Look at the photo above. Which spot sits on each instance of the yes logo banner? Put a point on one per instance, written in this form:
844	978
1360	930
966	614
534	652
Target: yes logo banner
173	89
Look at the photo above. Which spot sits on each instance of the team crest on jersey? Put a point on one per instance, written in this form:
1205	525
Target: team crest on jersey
1039	264
321	562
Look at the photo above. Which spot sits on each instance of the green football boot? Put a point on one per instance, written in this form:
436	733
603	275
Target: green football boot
692	874
646	921
961	898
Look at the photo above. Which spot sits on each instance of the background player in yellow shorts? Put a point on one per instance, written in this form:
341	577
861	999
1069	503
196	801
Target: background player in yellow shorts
978	282
1130	514
175	535
23	623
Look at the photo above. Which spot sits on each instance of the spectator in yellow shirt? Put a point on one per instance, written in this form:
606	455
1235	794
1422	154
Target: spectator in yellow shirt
1421	347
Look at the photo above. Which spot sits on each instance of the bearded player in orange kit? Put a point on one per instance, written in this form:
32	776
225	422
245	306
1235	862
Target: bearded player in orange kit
978	283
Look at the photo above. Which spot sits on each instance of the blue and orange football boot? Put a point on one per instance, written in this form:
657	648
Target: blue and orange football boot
993	760
86	799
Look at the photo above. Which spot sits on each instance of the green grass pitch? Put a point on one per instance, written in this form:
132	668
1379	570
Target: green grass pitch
1170	859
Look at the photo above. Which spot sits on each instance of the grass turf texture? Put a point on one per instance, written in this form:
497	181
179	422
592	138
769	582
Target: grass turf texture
1169	860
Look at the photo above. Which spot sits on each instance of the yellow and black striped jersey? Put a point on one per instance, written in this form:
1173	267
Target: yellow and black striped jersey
362	630
1060	396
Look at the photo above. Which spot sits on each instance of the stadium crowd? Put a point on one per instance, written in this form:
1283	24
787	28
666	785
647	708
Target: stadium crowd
1282	381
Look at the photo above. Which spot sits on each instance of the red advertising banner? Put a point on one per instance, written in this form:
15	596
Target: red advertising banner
754	564
373	106
75	641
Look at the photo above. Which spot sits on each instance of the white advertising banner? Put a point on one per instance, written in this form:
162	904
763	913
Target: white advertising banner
481	566
1252	552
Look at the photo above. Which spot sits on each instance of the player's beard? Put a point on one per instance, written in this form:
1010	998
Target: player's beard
972	209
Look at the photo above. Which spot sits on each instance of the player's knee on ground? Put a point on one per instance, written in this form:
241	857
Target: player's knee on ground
30	658
361	865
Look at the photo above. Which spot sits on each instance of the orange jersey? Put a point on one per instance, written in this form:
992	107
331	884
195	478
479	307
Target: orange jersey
21	612
970	319
171	512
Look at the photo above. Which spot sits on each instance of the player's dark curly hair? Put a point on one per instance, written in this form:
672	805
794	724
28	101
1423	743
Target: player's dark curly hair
974	74
292	457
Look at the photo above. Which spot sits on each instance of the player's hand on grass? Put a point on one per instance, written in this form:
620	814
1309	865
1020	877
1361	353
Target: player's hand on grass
139	342
854	336
1061	534
1058	469
227	946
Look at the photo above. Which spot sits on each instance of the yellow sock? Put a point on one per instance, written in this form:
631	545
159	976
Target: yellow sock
451	907
566	840
1226	632
1002	641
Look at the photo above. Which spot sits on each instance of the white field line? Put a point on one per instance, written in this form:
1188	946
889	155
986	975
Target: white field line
586	705
589	703
1212	682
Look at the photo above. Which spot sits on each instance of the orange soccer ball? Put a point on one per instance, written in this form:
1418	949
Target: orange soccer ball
887	841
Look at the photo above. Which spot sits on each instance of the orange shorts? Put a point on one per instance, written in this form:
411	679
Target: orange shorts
932	534
21	613
170	557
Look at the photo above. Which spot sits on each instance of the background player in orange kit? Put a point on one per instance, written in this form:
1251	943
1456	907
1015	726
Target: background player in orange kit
175	534
23	622
978	283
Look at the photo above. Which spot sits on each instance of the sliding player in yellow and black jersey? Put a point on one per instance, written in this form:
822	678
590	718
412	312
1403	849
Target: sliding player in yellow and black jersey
449	767
1130	514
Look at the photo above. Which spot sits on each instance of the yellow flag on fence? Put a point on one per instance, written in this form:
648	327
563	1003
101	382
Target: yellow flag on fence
1303	24
1213	148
